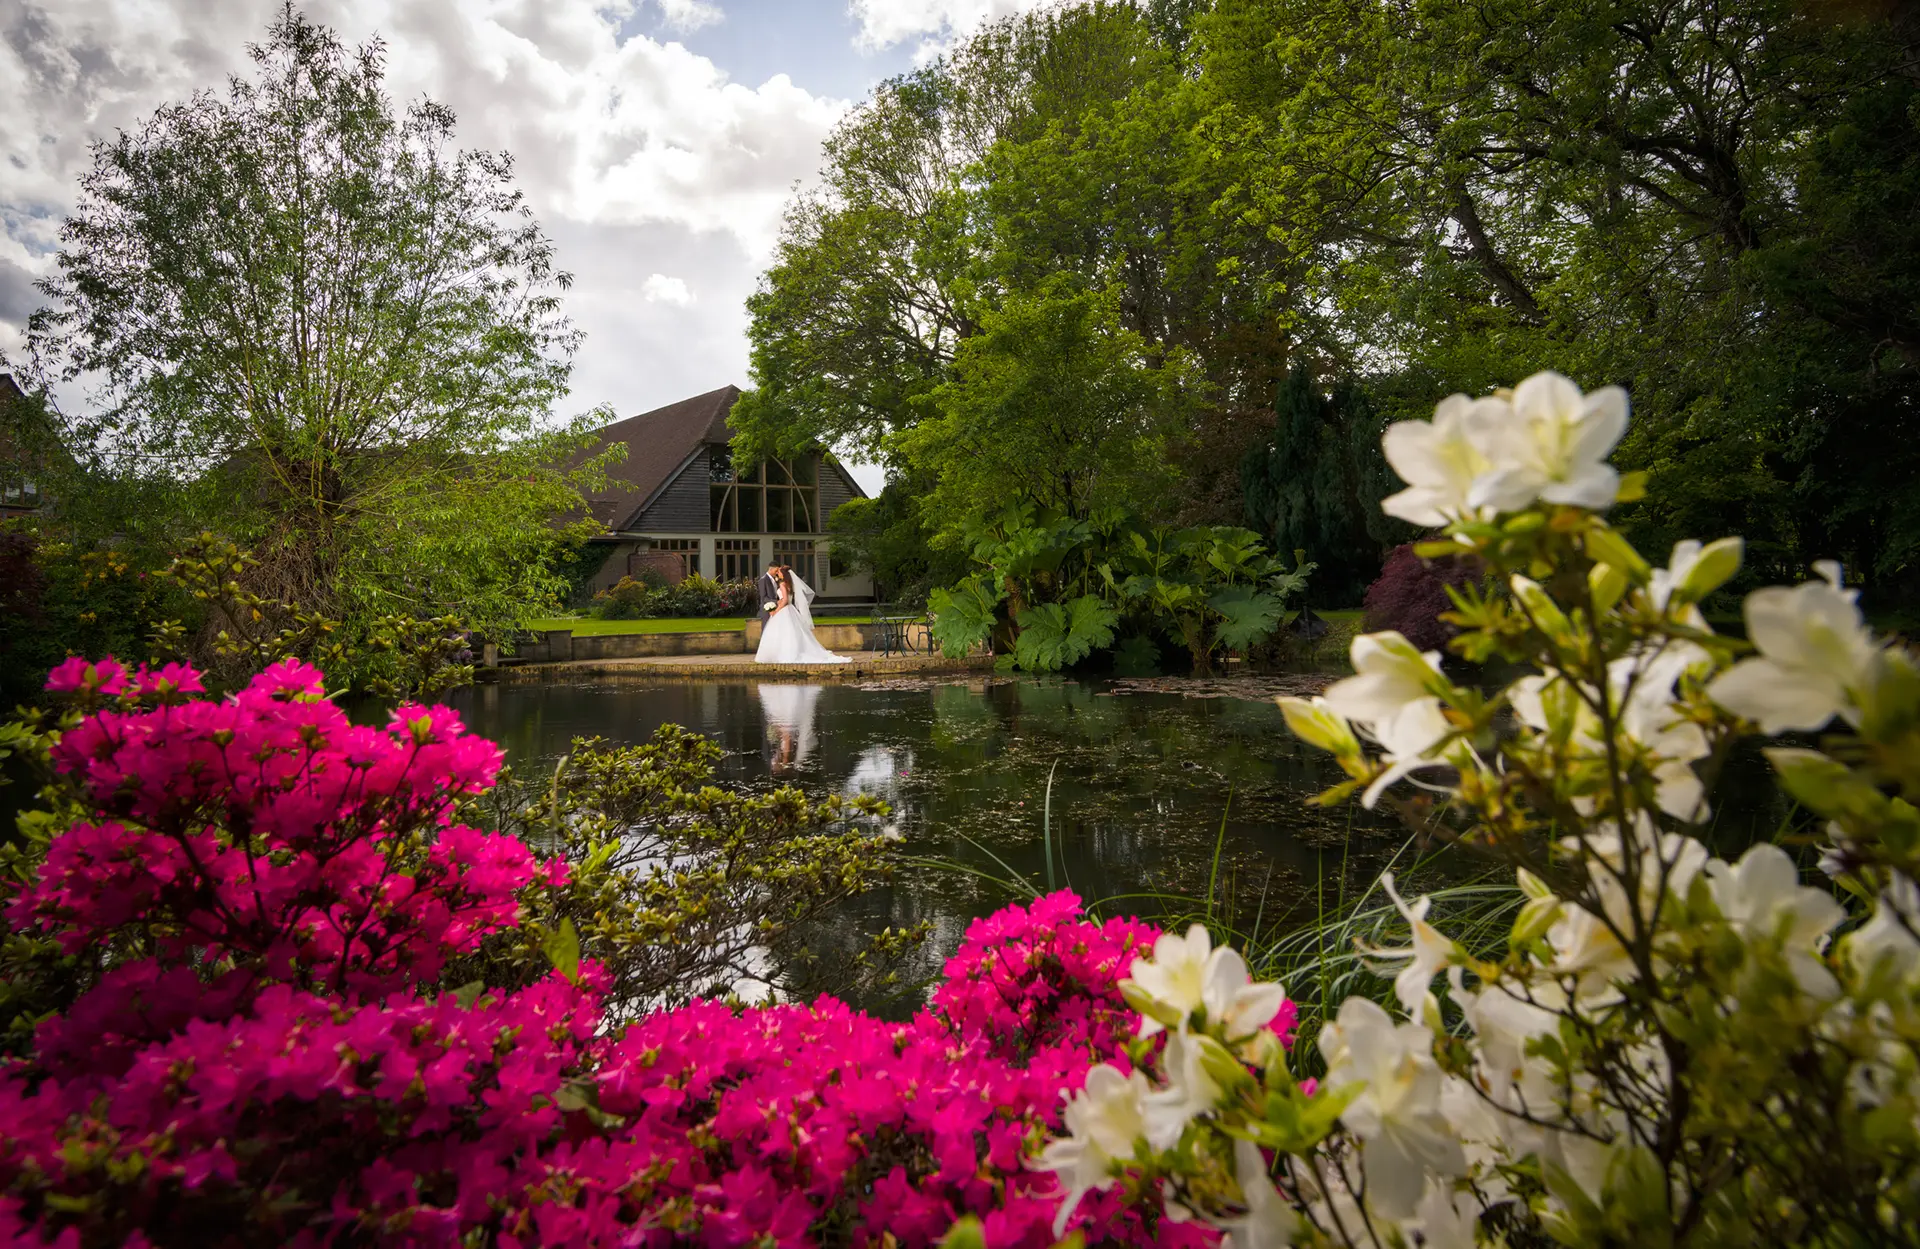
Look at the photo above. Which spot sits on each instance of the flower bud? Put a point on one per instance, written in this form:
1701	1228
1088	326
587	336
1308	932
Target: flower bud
1608	546
1546	613
1607	584
1717	562
1152	1007
1218	1061
1317	724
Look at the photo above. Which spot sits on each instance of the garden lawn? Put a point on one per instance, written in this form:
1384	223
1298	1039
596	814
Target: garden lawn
589	627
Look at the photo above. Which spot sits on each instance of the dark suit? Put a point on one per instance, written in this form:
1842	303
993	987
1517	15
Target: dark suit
765	591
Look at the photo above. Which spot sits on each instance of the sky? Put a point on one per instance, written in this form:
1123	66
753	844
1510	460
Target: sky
657	140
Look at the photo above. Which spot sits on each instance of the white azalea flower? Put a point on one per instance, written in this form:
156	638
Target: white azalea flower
1269	1222
1407	744
1884	947
1695	571
1503	1025
1816	658
1428	955
1438	461
1641	688
1389	676
1584	941
1176	975
1762	897
1444	1219
1104	1120
1406	1137
1188	974
1190	1091
1551	443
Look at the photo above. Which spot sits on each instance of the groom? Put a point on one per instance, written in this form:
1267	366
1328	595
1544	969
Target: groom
766	591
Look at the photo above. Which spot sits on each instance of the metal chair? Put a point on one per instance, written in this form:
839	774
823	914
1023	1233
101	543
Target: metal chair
896	632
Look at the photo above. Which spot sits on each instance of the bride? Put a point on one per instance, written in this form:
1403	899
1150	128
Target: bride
788	637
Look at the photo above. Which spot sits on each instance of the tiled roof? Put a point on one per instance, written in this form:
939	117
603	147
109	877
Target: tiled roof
658	442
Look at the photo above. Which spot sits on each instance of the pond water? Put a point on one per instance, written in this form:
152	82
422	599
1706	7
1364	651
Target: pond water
1144	785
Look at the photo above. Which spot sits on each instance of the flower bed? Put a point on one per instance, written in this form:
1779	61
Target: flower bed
250	904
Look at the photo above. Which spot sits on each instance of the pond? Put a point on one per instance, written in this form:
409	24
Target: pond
1145	785
1157	797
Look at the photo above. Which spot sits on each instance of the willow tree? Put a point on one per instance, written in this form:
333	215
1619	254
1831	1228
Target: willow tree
339	333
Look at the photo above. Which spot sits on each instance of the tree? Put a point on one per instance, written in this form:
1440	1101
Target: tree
1704	201
1316	485
1053	403
339	334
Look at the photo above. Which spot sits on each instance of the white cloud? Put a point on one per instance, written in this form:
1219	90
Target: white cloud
620	141
689	15
661	289
938	24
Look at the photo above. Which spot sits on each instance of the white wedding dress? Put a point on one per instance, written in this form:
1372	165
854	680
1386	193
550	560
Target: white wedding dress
788	635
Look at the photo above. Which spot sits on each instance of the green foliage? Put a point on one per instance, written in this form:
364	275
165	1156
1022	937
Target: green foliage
1053	401
1266	200
61	598
679	888
964	616
333	335
889	538
651	598
1316	485
1061	590
1058	635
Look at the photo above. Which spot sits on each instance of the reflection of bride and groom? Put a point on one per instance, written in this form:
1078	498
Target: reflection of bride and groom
788	712
786	621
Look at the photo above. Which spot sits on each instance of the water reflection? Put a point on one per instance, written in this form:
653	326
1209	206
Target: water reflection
1145	786
787	712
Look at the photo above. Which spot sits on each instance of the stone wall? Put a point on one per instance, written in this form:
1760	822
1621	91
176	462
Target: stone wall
563	646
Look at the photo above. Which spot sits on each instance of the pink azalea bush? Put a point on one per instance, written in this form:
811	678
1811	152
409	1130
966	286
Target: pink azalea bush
263	1051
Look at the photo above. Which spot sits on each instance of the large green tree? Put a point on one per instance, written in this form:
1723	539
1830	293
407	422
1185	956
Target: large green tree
1703	200
338	334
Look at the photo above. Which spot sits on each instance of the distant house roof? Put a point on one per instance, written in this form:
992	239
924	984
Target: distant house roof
659	444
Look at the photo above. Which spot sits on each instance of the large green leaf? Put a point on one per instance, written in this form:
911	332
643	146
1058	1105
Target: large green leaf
963	616
1247	616
1055	635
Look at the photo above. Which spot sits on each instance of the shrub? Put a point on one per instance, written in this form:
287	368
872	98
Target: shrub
265	907
695	597
1672	1048
629	599
680	888
1411	592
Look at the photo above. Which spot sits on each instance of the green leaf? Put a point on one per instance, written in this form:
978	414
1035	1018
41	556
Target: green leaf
562	947
1055	636
963	617
1247	616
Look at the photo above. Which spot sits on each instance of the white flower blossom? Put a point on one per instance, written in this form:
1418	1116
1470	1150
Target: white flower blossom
1190	1091
1816	658
1549	443
1438	461
1390	676
1641	692
1405	1136
1269	1221
1187	974
1427	956
1104	1122
1884	948
1762	898
1444	1219
1695	571
1407	744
